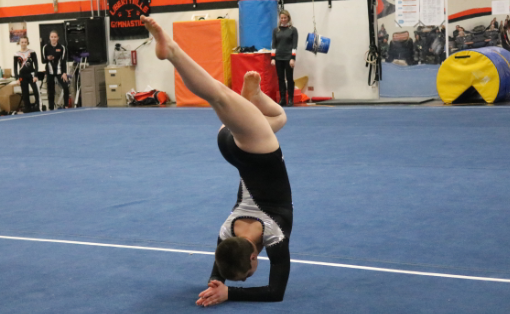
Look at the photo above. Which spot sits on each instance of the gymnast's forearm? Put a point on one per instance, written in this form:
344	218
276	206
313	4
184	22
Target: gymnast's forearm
256	294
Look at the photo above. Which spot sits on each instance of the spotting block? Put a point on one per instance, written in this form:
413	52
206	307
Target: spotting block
485	69
209	43
260	62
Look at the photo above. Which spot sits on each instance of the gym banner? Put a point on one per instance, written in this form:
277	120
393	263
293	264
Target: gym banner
17	30
125	19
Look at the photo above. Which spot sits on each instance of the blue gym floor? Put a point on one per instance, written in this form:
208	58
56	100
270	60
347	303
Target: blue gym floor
397	210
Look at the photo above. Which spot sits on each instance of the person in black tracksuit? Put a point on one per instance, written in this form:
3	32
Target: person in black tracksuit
54	56
283	56
263	213
26	61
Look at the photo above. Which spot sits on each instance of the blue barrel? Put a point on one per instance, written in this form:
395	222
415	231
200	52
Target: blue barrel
322	43
257	19
500	58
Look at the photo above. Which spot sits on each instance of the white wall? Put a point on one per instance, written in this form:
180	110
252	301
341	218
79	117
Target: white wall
341	71
3	43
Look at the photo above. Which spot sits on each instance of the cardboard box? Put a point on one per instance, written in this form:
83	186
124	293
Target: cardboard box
9	100
7	73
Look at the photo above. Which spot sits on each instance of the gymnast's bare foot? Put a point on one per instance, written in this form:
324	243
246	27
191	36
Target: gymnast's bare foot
251	86
164	44
251	91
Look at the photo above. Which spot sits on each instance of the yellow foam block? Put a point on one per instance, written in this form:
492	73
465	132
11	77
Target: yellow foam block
465	69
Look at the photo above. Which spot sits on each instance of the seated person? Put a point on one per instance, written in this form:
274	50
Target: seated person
401	48
463	40
493	24
491	36
419	44
458	28
384	47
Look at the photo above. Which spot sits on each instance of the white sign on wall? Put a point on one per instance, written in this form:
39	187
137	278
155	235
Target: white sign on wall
432	12
407	12
500	7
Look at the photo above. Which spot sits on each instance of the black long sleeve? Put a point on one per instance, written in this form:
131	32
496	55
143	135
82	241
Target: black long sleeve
35	62
63	63
44	58
215	274
15	67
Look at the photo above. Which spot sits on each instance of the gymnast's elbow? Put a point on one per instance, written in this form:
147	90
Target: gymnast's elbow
276	296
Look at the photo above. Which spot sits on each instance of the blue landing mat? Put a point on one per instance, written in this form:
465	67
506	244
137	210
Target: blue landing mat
403	188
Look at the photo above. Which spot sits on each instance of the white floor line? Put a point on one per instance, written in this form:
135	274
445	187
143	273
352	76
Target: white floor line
388	270
24	116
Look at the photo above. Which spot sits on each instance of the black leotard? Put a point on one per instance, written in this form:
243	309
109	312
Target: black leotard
265	195
26	62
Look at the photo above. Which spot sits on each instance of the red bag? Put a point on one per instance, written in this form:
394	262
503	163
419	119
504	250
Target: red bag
153	97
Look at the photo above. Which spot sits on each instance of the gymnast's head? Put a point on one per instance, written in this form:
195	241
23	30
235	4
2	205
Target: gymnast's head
236	259
54	38
23	41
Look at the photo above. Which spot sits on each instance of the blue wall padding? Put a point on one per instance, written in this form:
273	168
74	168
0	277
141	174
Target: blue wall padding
257	19
501	59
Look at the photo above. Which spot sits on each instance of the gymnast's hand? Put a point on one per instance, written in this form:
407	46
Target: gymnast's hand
292	63
273	62
216	293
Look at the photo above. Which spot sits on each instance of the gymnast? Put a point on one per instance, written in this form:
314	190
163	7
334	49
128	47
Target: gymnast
262	215
26	60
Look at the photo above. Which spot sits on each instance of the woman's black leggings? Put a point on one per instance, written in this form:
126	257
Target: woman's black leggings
283	70
50	83
25	92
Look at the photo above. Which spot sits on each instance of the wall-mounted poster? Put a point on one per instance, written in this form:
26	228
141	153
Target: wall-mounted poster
407	12
125	19
17	30
500	7
432	12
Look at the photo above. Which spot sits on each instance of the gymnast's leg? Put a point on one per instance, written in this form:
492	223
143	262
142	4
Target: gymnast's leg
252	131
273	112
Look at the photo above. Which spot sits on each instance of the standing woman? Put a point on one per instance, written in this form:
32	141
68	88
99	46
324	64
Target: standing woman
505	34
26	60
283	55
55	55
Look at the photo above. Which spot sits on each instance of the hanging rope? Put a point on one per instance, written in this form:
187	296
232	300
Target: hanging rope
281	5
315	33
372	56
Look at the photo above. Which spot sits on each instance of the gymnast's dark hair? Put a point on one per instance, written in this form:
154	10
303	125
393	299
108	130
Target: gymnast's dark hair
23	37
233	257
